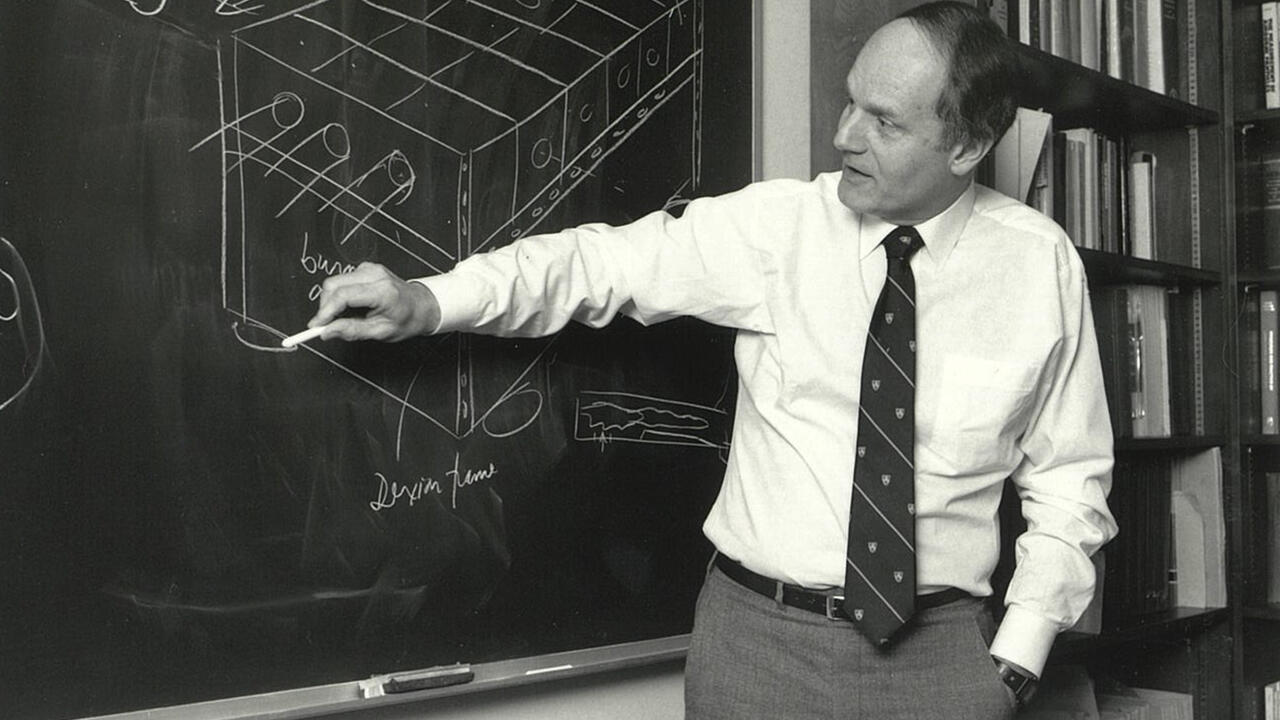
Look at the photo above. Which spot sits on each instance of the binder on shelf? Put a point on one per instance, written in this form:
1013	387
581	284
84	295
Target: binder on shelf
1270	12
1269	393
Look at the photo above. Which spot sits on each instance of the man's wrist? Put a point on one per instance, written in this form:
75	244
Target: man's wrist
1018	679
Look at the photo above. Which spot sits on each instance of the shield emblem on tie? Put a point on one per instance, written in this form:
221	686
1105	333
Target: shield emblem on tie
911	508
862	451
911	344
875	385
897	576
899	413
885	480
888	318
857	614
871	547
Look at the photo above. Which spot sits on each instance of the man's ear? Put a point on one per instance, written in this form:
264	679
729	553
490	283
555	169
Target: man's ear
965	157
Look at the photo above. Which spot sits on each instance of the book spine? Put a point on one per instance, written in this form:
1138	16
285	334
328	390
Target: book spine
1269	240
1141	209
1111	31
1270	54
1169	47
1268	326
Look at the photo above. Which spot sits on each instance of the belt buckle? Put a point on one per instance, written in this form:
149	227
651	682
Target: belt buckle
831	607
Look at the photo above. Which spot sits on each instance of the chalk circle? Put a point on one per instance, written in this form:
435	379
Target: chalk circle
336	140
287	110
586	112
10	304
400	170
653	57
623	78
540	154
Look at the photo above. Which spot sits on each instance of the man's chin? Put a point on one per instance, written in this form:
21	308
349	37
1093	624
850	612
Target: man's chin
851	198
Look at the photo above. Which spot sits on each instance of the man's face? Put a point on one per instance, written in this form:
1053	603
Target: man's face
895	164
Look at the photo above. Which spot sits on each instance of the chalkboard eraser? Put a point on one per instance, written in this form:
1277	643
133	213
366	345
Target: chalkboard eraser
436	677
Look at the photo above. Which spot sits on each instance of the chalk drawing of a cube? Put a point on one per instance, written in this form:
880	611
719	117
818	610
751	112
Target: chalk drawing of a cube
418	133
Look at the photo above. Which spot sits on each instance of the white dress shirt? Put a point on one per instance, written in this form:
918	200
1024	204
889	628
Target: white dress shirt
1008	381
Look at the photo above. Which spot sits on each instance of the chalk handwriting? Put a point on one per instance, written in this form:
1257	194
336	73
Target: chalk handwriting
316	264
391	492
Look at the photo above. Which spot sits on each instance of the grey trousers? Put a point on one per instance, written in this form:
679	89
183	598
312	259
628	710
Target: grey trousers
751	657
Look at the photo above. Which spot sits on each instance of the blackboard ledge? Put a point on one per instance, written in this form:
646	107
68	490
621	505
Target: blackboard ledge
323	700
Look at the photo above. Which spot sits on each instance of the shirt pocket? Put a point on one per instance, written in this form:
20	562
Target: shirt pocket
981	411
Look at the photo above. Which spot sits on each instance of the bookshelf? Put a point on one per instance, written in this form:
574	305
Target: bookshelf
1255	132
1191	650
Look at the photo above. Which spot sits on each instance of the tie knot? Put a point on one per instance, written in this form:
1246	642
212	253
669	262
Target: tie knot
902	242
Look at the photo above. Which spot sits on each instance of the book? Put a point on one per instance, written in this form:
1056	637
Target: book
1111	325
1112	54
1272	538
1018	152
1141	204
1271	700
1149	361
1199	530
1250	364
1268	329
1268	189
1270	12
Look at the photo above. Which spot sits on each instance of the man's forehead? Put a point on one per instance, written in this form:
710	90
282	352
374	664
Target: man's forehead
898	67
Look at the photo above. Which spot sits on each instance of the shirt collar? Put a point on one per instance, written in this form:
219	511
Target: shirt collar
940	232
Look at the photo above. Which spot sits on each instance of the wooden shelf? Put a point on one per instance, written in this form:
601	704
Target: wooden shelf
1104	268
1260	440
1164	444
1263	612
1267	116
1080	97
1265	278
1178	622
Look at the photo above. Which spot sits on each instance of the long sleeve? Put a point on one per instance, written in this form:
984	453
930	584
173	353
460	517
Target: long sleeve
1063	482
702	264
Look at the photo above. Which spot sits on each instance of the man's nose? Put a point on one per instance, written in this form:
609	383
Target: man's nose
851	133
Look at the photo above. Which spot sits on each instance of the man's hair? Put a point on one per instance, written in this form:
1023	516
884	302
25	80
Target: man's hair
977	101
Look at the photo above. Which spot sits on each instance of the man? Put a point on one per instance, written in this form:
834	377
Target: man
1006	383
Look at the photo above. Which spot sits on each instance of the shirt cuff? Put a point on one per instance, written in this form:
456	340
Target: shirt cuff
1024	639
457	300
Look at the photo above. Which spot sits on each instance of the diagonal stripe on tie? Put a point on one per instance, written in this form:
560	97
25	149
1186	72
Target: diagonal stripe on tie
871	503
874	426
872	587
909	380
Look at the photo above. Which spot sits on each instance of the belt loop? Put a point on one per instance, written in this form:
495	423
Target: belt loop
777	594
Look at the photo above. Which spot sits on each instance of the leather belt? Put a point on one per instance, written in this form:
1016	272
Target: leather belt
830	604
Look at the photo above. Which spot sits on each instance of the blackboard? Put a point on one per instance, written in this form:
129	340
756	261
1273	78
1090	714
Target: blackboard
189	512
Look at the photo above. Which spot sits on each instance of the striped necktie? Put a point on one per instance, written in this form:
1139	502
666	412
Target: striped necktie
880	573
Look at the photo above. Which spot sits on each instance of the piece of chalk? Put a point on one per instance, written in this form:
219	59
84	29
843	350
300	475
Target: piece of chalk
303	336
